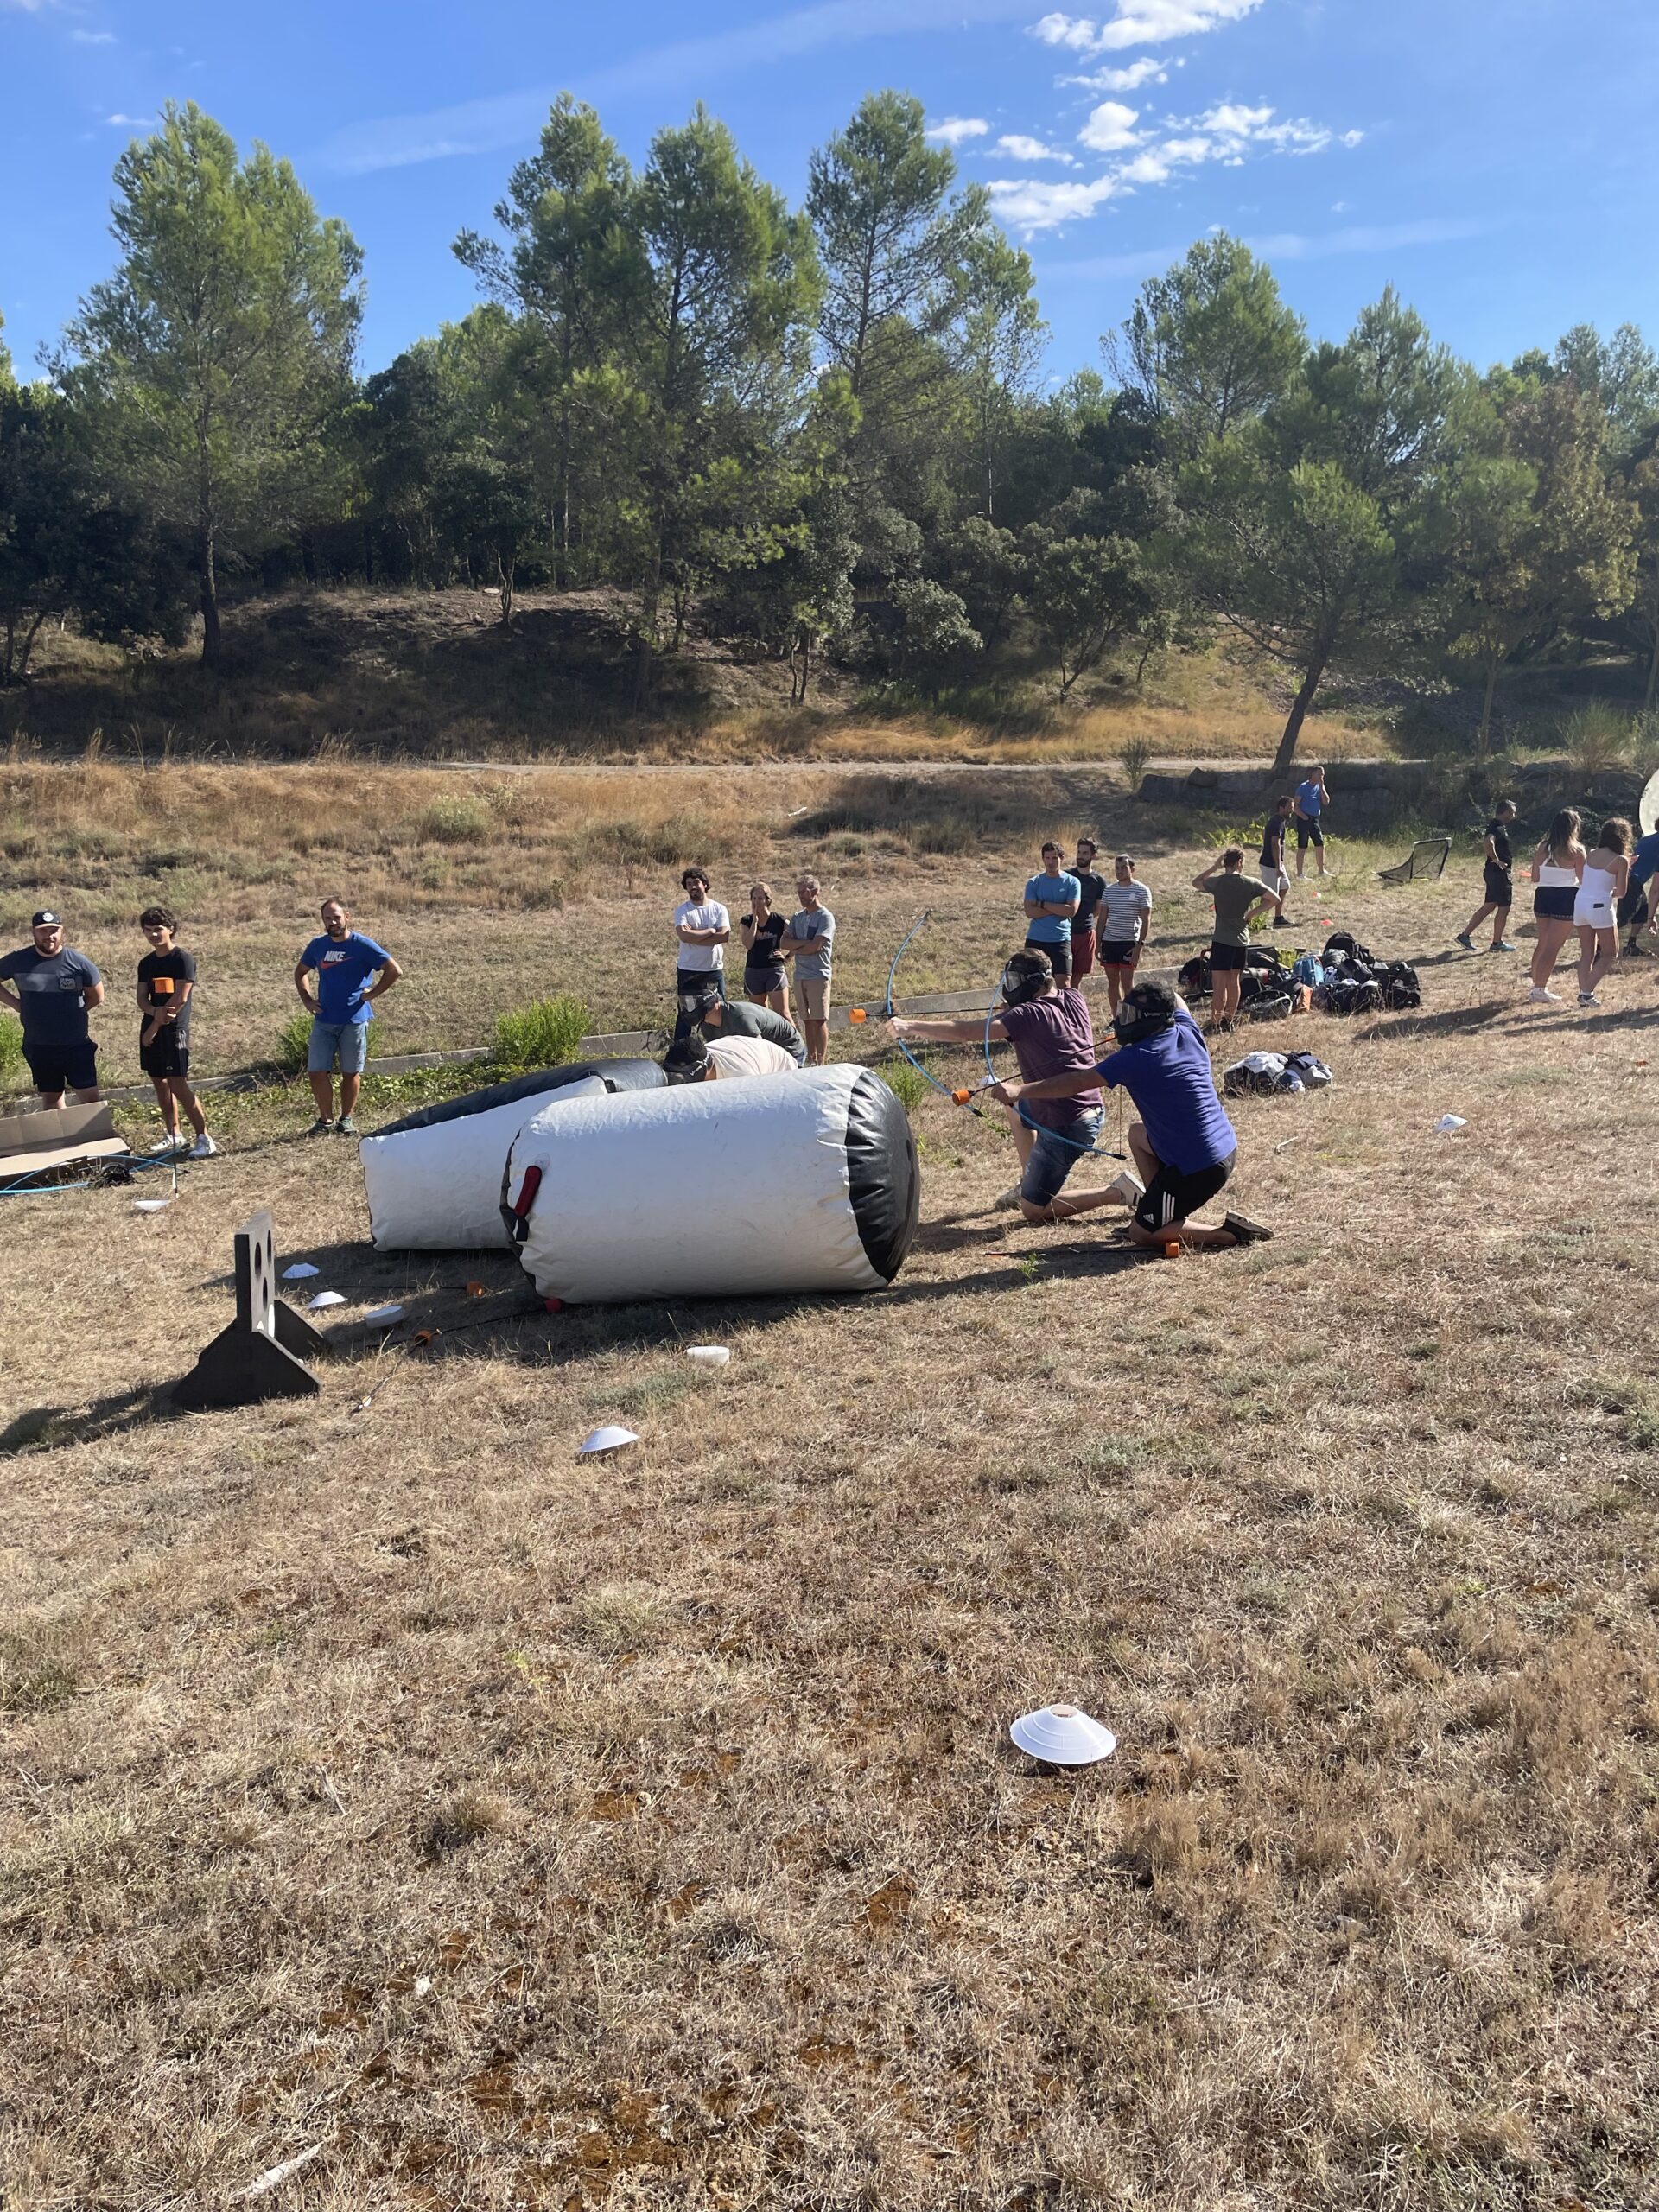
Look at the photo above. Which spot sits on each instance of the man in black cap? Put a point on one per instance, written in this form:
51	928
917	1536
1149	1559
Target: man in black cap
720	1017
53	990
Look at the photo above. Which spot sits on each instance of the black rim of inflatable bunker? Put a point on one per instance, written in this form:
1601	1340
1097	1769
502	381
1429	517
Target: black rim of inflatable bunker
617	1075
884	1177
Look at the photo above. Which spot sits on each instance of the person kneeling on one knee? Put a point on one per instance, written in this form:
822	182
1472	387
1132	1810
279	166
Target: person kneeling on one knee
1052	1035
717	1018
1183	1144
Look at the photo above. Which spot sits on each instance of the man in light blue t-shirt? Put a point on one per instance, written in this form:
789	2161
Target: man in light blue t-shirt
809	941
1051	899
1310	804
343	961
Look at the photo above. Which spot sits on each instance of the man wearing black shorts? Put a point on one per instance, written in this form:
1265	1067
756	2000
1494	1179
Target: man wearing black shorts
1498	883
1239	897
166	988
1184	1145
53	991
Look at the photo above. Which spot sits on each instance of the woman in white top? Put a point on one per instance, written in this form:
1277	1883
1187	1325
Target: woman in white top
1556	866
1595	912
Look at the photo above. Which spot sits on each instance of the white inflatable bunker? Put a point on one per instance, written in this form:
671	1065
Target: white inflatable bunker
433	1180
771	1184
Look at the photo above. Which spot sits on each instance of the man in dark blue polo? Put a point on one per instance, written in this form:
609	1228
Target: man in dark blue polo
53	989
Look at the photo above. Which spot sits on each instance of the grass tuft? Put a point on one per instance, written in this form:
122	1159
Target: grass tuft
545	1034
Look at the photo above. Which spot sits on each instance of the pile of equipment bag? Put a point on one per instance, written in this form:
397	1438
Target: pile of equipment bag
1347	977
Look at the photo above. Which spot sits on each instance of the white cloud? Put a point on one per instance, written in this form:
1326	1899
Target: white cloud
133	122
1111	128
952	130
1028	204
1141	23
1367	238
1146	71
93	38
1032	149
1230	134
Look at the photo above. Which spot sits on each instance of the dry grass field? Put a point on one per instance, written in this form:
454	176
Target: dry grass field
519	1830
493	888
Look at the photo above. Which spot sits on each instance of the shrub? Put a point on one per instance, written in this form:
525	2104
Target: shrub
1597	737
11	1054
906	1085
458	821
544	1034
293	1043
1135	753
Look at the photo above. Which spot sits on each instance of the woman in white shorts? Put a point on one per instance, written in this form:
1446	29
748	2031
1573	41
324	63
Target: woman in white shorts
1556	866
1595	910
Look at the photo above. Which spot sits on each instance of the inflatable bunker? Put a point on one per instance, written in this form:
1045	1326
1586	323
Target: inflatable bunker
434	1180
775	1183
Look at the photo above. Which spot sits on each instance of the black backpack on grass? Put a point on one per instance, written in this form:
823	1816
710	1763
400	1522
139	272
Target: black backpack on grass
1342	944
1192	979
1400	988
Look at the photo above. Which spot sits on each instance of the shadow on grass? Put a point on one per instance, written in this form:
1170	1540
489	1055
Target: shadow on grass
47	1429
1454	1021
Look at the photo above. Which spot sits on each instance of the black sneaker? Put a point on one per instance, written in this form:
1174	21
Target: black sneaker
1246	1230
1467	943
1283	922
320	1128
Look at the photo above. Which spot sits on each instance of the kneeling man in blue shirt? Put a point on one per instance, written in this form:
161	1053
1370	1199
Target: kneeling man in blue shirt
1184	1145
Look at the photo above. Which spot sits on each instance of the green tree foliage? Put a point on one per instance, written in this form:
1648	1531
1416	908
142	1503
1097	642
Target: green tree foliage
575	268
1209	344
65	546
1086	595
1547	536
1312	524
214	358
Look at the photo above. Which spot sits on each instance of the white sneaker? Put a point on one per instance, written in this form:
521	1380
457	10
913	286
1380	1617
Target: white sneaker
174	1143
1539	995
203	1148
1128	1187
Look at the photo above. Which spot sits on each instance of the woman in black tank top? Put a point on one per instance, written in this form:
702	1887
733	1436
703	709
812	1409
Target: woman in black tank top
766	980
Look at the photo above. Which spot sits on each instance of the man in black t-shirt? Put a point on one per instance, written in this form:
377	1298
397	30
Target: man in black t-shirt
1093	887
1499	883
167	984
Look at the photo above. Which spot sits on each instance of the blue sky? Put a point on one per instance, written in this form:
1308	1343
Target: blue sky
1494	159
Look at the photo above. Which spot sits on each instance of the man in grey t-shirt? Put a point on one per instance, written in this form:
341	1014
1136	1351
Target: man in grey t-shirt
809	941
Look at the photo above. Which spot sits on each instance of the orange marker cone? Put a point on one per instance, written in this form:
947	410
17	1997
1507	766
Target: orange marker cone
856	1013
1172	1250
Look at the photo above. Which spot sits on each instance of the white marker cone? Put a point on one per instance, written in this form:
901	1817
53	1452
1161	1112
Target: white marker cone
1061	1736
606	1439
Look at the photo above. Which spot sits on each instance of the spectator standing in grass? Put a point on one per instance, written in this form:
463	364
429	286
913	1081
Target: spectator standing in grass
1633	907
351	971
1311	801
1274	874
1052	903
766	979
1091	888
809	941
1499	867
717	1017
1239	897
1051	1034
701	930
1556	866
1604	882
1123	921
1184	1145
167	991
53	991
